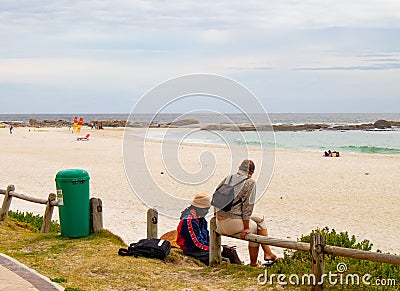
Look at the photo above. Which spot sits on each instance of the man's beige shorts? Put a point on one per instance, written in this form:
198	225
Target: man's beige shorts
231	226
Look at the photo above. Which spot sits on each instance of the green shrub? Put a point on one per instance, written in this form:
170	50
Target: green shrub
32	222
298	262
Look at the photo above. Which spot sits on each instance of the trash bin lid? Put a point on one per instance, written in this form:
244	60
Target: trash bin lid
72	175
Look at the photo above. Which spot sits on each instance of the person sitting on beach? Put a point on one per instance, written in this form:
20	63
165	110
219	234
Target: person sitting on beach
193	236
239	220
329	153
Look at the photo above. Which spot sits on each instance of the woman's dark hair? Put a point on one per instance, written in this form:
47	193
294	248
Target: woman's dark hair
200	212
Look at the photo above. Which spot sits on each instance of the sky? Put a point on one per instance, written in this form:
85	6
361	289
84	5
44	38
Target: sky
294	56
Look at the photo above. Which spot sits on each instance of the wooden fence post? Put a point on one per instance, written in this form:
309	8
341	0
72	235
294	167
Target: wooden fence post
6	203
152	223
317	245
96	214
215	243
48	214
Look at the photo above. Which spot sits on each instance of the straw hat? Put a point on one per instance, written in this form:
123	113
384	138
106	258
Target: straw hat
201	201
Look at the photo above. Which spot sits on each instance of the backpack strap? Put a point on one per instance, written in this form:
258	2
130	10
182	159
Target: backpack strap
239	182
224	183
230	180
239	200
128	252
124	252
236	203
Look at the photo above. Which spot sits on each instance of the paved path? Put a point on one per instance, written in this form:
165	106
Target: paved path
15	276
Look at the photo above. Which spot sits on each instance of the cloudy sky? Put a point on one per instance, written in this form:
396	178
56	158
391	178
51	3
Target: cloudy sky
295	56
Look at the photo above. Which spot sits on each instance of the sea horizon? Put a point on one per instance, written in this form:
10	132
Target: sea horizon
275	117
356	141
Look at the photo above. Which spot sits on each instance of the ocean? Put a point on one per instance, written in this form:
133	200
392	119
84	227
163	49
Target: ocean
381	142
276	118
369	142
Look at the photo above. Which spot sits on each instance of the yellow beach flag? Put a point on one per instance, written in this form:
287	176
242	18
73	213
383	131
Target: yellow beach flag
75	123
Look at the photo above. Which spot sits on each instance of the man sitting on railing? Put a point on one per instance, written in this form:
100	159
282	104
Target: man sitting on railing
239	219
193	236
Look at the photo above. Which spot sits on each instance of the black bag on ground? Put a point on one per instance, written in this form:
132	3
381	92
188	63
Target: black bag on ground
230	253
149	248
224	195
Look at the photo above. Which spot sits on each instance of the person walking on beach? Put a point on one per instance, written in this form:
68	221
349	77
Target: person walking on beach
11	129
239	218
193	236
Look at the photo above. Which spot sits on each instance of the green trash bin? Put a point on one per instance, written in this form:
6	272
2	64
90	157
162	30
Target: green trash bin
73	202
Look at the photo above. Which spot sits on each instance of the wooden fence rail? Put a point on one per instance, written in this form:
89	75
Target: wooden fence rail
96	215
32	199
317	248
329	250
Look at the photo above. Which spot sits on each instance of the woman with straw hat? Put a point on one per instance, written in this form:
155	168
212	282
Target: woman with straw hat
193	236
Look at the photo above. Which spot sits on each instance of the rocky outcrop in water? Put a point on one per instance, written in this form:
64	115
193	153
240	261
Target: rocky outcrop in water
108	123
382	124
49	123
187	122
365	126
194	123
302	127
184	122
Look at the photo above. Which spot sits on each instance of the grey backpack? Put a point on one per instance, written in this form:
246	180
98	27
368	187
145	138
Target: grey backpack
224	195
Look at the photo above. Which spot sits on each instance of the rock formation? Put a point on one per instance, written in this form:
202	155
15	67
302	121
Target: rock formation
382	124
184	122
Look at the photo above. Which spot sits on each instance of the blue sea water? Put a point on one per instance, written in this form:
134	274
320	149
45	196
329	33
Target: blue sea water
383	142
371	142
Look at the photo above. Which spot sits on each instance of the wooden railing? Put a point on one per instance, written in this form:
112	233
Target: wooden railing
316	247
96	211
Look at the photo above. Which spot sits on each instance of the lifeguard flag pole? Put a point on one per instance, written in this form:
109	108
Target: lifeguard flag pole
80	124
75	123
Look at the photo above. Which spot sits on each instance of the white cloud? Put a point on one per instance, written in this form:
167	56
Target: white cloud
101	46
215	36
120	15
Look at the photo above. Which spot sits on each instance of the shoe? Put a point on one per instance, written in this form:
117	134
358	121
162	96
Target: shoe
269	263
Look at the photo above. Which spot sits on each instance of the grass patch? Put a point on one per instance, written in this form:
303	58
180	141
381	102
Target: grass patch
59	280
92	263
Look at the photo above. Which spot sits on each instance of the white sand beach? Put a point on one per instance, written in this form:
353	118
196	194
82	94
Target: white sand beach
358	193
